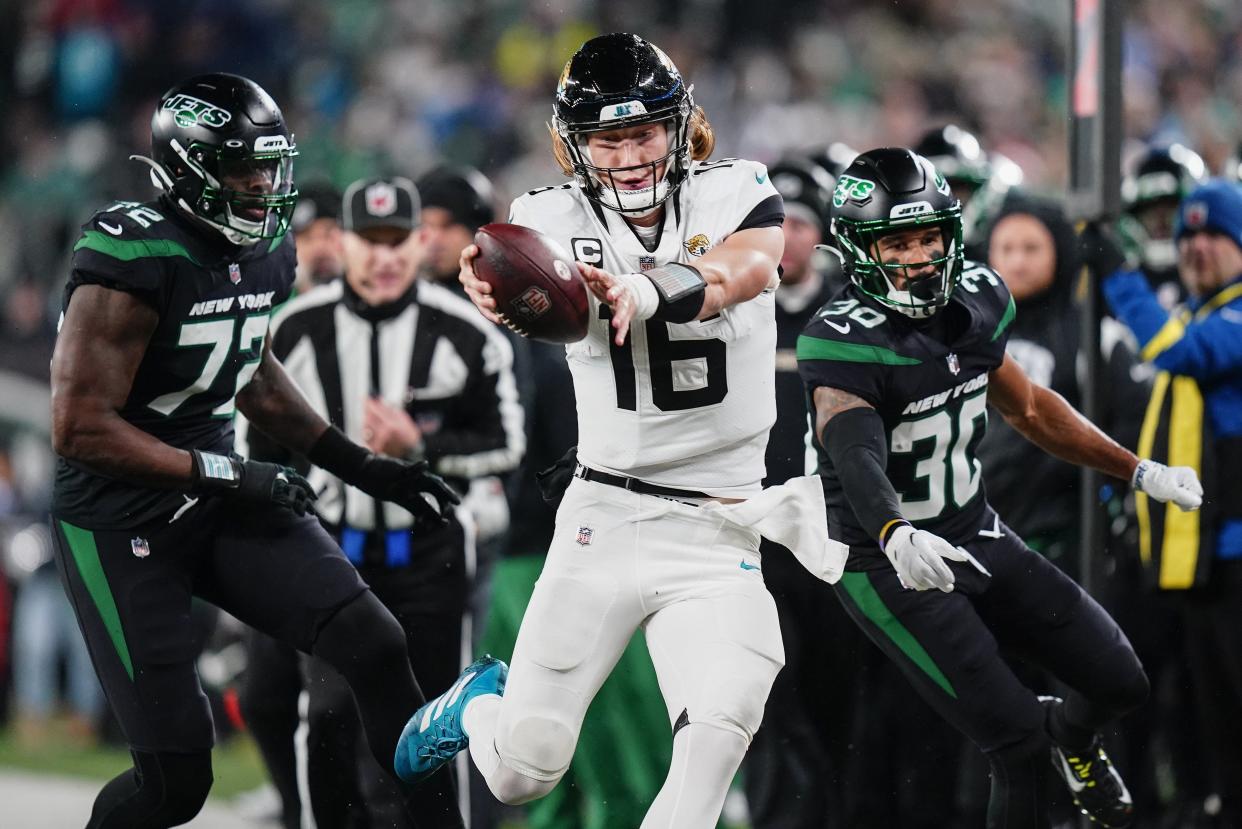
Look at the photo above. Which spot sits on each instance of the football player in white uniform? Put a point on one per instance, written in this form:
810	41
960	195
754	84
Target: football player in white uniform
674	383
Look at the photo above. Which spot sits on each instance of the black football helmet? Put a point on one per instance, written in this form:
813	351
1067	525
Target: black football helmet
834	158
221	152
981	180
803	184
620	80
889	190
1159	179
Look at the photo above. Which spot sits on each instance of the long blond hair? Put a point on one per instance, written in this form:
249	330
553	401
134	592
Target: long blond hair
702	141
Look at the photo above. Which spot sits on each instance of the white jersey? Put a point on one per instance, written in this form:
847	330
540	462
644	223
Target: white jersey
680	405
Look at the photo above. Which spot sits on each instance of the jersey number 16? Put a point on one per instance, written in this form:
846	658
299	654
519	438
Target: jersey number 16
661	353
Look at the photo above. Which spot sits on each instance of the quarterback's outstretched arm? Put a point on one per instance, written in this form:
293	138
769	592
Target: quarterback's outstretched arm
737	269
1044	418
740	267
101	343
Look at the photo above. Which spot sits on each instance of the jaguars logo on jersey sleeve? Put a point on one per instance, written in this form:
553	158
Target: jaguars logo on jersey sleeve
931	395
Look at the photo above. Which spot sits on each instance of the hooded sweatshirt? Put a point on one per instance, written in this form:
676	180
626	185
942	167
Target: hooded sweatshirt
1035	493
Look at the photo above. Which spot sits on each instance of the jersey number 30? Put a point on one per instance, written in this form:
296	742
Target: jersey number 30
662	352
945	468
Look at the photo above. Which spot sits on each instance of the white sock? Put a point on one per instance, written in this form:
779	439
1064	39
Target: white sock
705	758
478	720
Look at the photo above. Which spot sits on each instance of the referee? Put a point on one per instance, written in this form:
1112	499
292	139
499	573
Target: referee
410	370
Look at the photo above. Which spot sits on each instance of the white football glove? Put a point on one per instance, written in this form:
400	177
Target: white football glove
918	557
1179	484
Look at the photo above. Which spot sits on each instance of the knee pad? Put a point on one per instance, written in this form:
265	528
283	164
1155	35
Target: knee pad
539	745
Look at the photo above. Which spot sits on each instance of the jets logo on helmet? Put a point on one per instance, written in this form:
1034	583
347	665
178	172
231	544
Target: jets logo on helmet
188	111
851	189
888	191
221	153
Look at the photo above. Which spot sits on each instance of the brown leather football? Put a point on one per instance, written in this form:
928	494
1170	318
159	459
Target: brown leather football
538	290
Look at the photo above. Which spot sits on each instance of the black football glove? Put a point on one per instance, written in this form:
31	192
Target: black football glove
1100	249
253	481
405	483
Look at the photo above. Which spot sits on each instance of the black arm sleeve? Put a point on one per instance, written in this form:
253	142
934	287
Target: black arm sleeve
856	444
768	213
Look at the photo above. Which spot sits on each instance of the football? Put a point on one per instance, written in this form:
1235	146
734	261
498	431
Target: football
538	290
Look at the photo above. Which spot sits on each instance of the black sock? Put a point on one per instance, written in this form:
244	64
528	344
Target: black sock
368	647
163	789
1018	799
1070	736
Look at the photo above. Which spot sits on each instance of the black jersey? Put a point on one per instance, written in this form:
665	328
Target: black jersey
930	389
214	303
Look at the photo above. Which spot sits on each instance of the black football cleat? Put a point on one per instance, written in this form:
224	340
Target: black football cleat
1093	782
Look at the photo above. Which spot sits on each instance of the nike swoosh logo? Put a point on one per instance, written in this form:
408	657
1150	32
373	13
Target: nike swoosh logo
760	178
115	231
189	502
1071	779
844	329
746	566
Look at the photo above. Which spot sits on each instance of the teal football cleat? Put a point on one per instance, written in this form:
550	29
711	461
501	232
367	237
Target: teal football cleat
434	735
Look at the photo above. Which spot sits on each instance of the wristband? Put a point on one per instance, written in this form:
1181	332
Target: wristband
681	290
335	453
213	471
886	532
1139	472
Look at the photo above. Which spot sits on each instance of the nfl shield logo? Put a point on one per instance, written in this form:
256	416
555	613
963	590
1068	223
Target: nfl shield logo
584	535
140	547
1196	214
646	263
954	365
235	272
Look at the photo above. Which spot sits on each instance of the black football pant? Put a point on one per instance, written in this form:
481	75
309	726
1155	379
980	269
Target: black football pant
948	645
842	745
428	597
131	590
269	704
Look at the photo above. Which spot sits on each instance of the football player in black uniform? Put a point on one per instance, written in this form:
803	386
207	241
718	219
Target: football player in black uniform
163	335
901	366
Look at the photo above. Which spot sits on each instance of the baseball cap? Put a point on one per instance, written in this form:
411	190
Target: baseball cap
1216	205
315	201
463	191
380	202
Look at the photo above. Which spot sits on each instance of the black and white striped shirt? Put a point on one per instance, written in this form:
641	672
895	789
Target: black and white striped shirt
432	354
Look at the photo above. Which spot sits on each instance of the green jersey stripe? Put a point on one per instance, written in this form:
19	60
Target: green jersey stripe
86	556
128	250
1011	311
859	586
814	348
